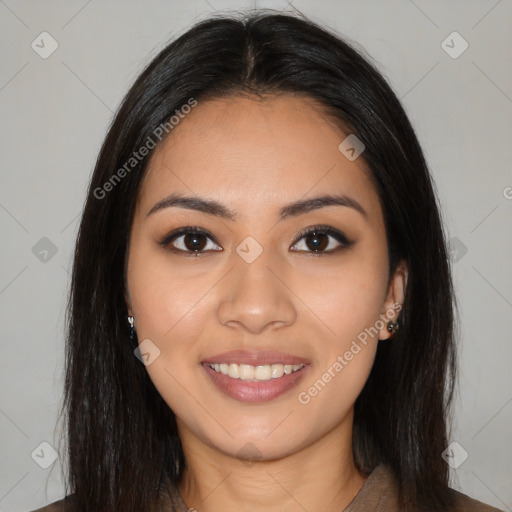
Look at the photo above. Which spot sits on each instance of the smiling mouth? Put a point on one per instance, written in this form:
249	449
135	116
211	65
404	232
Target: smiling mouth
260	373
255	383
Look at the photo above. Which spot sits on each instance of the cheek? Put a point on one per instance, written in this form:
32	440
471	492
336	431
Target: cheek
348	299
170	313
352	313
166	302
349	304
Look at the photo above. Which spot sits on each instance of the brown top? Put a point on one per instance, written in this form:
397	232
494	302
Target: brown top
378	494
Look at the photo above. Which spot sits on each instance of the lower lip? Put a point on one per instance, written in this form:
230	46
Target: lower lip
262	391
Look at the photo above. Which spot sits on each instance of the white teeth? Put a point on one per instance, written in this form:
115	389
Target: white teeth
246	372
251	373
234	371
263	372
277	370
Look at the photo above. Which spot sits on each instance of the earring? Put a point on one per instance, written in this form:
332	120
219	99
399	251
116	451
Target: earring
392	327
132	328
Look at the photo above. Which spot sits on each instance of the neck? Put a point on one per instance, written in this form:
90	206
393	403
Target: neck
322	476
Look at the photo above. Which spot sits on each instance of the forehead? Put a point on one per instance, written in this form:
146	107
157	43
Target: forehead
247	151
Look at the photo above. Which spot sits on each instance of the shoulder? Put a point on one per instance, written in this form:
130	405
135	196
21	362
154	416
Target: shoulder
466	504
66	504
381	491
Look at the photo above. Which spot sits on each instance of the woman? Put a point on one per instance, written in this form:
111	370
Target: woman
261	310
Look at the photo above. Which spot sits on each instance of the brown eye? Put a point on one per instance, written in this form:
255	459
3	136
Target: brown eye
318	241
190	242
322	240
194	242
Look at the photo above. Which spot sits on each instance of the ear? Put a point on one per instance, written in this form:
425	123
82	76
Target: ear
395	299
128	301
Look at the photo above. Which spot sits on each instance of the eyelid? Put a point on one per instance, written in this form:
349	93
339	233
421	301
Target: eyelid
324	229
176	233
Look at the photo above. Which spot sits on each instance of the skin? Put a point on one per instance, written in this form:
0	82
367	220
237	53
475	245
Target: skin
254	157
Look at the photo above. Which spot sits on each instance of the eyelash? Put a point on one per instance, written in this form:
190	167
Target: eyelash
317	230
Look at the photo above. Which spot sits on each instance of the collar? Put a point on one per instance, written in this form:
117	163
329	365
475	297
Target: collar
378	494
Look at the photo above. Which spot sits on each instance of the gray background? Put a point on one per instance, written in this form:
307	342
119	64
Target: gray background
55	112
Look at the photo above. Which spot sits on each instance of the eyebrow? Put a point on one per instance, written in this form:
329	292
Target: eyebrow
212	207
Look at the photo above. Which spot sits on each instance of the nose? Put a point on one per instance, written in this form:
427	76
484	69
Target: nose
255	297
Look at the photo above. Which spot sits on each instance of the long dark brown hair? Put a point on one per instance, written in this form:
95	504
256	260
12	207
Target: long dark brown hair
122	440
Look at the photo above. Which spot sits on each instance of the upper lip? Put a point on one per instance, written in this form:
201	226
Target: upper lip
255	358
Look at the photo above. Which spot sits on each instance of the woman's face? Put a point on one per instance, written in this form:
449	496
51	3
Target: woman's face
251	283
